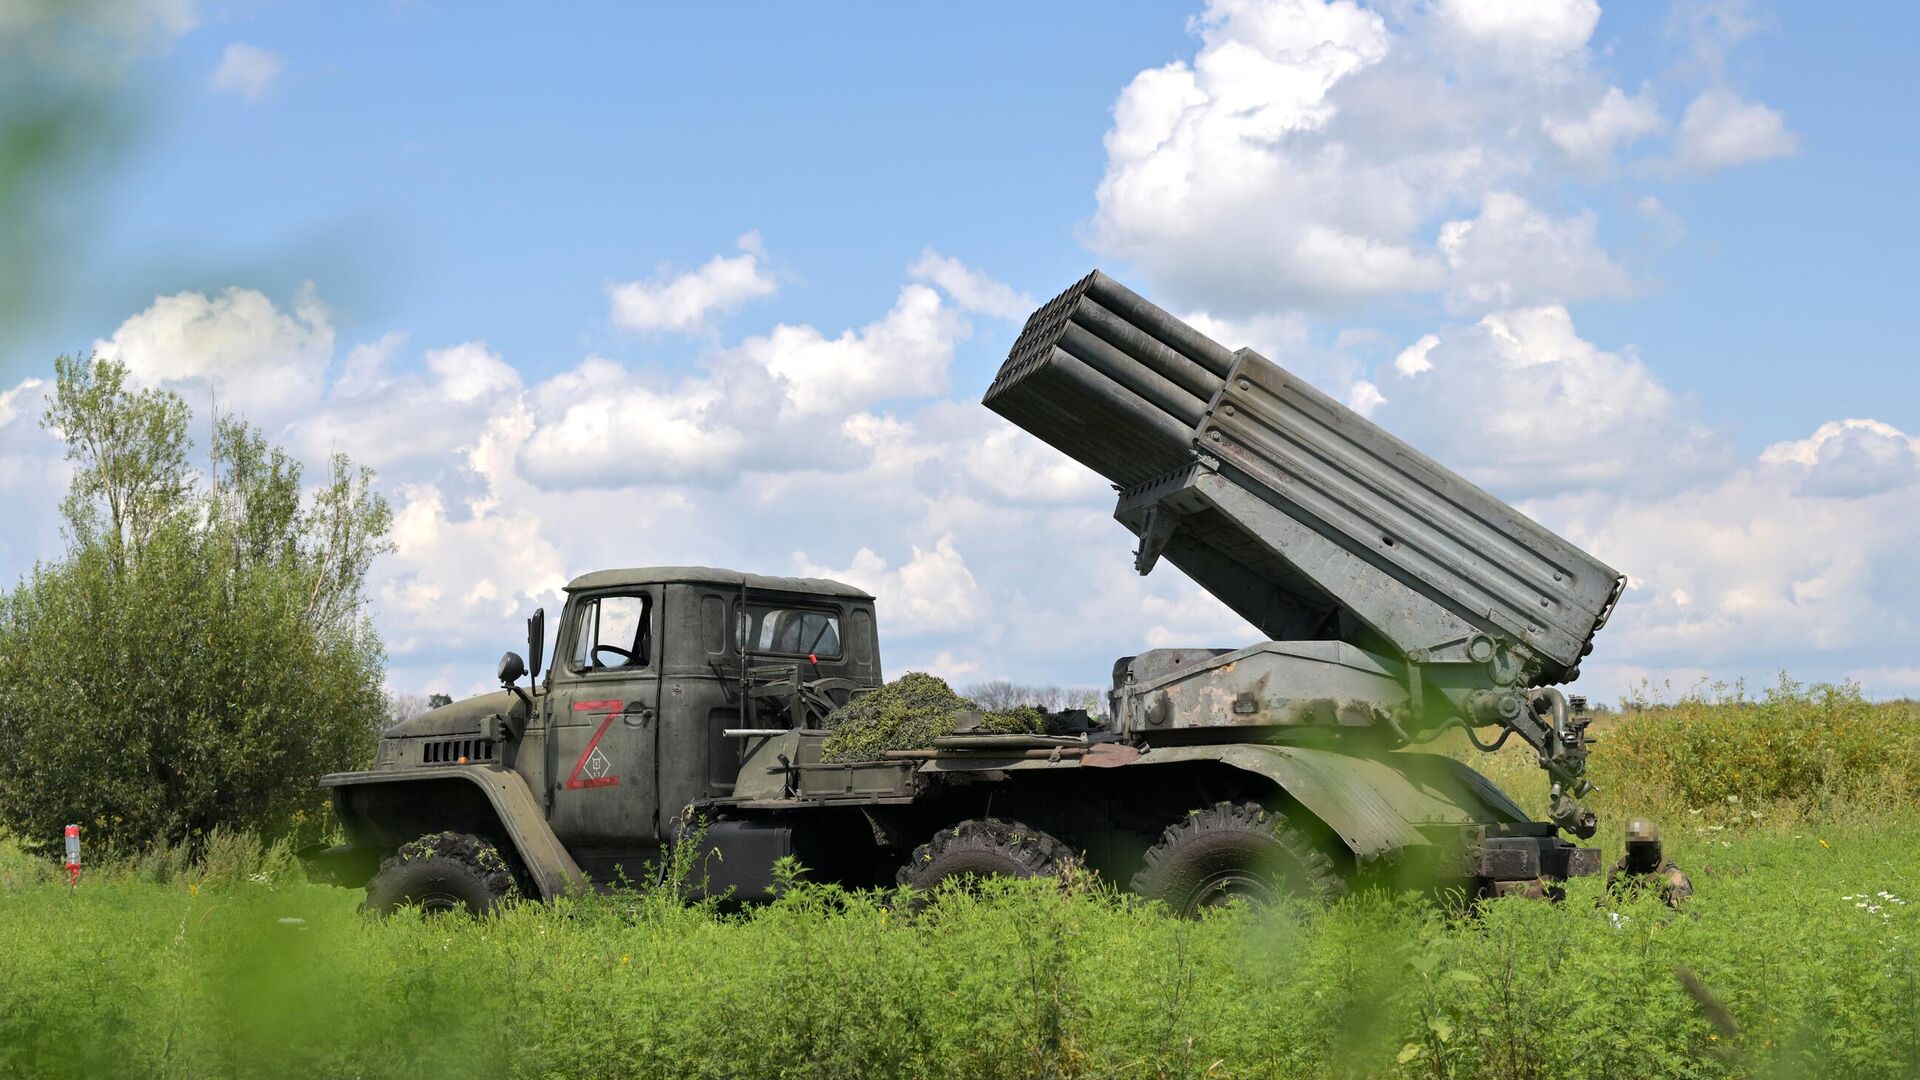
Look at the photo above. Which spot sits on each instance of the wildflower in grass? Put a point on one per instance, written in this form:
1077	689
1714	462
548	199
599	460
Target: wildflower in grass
1824	844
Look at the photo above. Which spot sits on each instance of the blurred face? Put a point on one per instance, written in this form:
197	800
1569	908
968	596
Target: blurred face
1643	856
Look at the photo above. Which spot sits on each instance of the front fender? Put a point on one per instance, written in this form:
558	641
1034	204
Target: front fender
1374	803
367	802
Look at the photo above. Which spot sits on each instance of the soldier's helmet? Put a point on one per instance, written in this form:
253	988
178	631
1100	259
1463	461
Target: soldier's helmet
1642	831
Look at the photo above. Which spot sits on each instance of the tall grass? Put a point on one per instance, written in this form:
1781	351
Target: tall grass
257	974
1720	756
1796	957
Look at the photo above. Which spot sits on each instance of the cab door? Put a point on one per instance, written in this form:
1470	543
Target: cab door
605	719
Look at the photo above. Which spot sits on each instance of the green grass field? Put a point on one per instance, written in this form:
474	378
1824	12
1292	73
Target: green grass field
1797	957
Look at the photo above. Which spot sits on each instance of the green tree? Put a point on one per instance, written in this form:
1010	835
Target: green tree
202	652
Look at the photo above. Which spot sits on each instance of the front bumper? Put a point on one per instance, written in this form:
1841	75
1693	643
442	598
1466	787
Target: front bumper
1528	860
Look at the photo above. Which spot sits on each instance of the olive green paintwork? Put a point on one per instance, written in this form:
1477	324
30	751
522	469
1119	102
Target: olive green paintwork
710	575
609	756
1272	685
546	860
1373	803
1413	601
1376	803
461	717
666	743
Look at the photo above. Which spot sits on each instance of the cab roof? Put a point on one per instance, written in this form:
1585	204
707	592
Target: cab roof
710	575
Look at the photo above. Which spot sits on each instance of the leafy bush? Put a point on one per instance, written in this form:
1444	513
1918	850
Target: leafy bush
909	713
201	654
1716	756
1794	747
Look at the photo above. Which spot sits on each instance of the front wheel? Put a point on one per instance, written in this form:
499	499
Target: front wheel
439	874
1232	852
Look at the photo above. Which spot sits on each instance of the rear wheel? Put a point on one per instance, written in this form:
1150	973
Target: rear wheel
1235	852
442	873
987	847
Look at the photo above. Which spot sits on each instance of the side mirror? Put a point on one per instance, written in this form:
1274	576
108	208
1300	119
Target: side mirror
511	668
536	640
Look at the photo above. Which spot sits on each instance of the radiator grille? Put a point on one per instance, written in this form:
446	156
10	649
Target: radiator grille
451	751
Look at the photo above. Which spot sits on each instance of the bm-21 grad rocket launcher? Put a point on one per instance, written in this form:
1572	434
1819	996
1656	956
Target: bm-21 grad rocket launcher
1400	599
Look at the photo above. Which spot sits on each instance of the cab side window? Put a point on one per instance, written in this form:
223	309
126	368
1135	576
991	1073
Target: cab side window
792	631
612	632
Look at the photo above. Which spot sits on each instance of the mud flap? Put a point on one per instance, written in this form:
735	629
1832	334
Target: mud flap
341	864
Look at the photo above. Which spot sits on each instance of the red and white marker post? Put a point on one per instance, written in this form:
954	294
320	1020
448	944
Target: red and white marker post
73	857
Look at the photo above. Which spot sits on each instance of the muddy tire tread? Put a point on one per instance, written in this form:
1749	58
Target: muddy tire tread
1163	866
1029	851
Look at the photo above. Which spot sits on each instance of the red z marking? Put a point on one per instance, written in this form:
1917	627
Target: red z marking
574	780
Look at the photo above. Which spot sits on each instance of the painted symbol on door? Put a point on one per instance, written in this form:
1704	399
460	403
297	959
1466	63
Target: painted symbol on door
594	767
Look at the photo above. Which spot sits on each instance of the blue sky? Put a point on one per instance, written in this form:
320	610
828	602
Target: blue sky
1677	307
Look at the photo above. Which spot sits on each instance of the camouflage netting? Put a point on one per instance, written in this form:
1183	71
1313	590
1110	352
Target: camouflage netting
909	713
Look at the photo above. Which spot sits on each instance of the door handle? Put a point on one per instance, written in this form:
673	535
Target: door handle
638	718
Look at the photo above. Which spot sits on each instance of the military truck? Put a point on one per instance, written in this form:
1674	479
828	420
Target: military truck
687	708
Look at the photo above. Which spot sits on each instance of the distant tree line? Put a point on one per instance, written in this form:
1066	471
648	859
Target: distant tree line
405	706
1000	695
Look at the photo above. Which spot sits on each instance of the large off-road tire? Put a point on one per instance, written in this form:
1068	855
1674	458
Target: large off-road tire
1235	851
983	848
441	873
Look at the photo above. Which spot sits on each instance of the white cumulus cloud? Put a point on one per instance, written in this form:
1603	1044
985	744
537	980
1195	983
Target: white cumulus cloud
933	590
905	353
1849	458
971	289
687	302
1519	403
247	71
236	348
1720	130
1313	153
1540	30
1514	253
1590	139
792	398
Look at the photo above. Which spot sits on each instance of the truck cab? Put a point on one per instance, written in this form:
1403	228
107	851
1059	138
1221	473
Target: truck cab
652	669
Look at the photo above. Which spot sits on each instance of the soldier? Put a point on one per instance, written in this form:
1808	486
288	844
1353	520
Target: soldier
1644	866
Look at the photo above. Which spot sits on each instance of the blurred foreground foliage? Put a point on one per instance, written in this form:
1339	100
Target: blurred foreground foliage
201	654
1802	955
1797	957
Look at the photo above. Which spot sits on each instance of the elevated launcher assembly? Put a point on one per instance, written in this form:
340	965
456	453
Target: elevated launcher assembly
1400	599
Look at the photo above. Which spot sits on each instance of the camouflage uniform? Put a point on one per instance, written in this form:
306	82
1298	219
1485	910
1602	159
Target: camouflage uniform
1644	867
